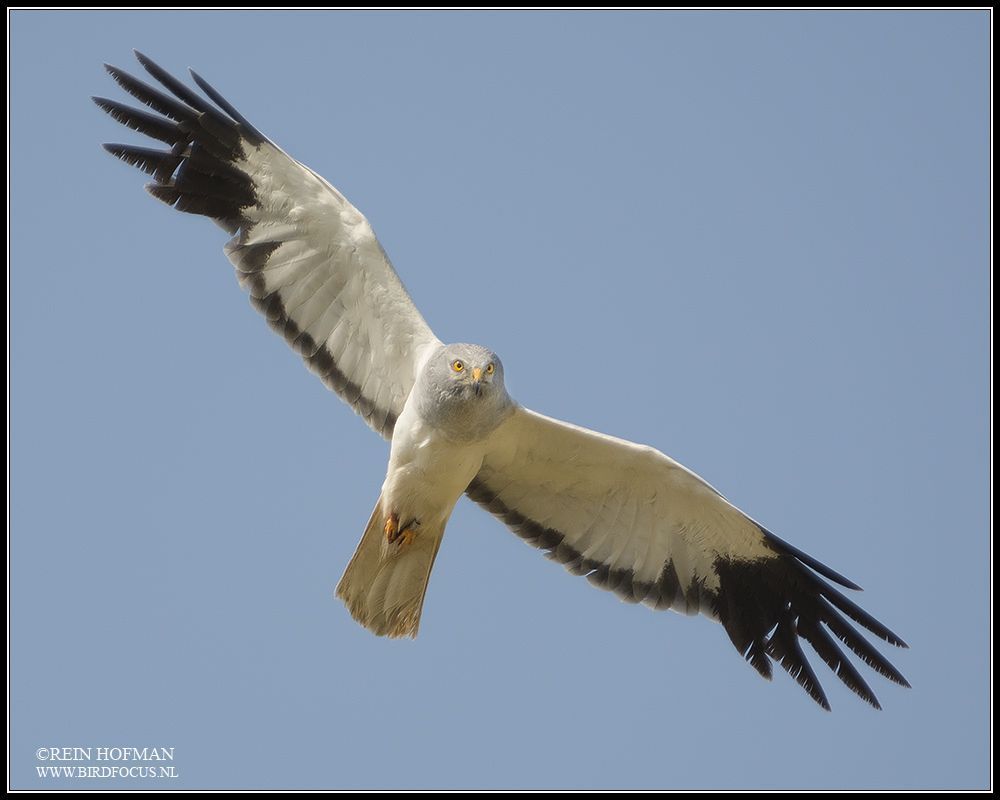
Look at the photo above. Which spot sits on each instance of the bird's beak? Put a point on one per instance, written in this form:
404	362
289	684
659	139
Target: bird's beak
477	374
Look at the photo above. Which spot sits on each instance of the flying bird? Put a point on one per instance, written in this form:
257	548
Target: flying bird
625	516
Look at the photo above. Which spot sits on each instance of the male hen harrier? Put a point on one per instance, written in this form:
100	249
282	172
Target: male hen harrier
626	516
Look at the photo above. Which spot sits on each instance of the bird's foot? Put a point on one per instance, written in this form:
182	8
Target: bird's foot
392	528
404	535
407	536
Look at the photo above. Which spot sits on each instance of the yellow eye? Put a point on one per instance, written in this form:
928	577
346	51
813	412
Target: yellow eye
490	369
458	366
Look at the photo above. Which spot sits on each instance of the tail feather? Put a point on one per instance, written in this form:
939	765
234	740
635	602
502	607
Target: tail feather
384	584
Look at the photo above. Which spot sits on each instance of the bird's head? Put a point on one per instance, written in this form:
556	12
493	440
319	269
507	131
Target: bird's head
470	370
462	386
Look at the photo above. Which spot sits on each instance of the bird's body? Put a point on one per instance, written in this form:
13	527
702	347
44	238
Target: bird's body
427	471
627	517
438	446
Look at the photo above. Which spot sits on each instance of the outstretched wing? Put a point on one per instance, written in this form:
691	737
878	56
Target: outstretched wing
636	522
308	258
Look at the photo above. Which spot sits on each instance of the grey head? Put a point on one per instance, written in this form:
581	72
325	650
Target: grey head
461	391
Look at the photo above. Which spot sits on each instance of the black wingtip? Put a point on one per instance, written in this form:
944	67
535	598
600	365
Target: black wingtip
808	560
247	129
202	83
124	151
147	63
856	613
766	605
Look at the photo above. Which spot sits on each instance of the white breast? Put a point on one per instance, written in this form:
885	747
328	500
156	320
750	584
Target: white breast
427	472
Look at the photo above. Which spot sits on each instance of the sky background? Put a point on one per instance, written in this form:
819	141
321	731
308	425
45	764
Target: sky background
756	241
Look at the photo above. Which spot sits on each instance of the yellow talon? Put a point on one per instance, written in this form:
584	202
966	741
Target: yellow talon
407	537
393	534
392	528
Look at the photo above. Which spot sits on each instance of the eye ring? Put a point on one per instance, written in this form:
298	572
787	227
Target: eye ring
457	365
490	369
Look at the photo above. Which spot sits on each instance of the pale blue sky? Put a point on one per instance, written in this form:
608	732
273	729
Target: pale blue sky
756	241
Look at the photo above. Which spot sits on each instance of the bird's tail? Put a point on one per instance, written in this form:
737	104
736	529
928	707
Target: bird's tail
385	582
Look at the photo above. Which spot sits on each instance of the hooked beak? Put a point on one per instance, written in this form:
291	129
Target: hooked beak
477	374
